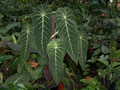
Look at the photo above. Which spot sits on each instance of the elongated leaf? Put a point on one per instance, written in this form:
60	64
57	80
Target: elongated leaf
66	25
83	47
55	50
25	42
42	22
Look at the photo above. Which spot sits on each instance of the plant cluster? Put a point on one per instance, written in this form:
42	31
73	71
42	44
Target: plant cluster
63	44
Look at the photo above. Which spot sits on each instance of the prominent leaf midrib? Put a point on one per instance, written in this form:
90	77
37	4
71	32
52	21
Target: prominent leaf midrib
40	16
40	22
55	64
45	27
68	36
81	48
27	41
42	32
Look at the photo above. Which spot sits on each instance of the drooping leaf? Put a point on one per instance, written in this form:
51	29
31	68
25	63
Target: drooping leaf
42	22
83	47
19	78
55	50
25	42
67	28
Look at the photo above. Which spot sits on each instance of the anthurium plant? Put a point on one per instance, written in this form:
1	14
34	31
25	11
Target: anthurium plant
71	40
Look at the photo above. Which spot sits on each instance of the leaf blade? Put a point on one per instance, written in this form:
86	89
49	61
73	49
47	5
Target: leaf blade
42	22
66	25
25	42
83	46
55	50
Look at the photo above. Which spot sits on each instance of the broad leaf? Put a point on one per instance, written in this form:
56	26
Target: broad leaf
55	50
25	42
83	47
67	28
42	22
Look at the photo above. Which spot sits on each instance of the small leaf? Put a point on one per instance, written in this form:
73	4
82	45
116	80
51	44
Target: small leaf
105	49
104	57
97	51
105	62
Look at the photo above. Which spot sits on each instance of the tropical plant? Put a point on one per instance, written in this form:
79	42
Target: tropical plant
72	41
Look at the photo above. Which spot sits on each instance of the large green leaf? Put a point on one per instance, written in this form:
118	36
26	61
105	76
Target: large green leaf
55	50
25	42
66	25
42	22
83	47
